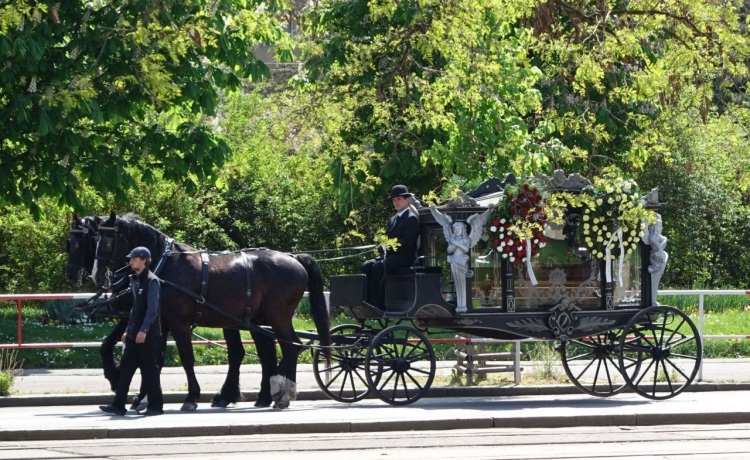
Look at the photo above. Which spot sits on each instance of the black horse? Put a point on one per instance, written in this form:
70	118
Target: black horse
81	246
239	290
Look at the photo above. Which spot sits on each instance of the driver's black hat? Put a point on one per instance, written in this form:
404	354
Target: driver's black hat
141	252
399	190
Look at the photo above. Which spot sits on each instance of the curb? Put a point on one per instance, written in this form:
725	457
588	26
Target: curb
556	421
90	399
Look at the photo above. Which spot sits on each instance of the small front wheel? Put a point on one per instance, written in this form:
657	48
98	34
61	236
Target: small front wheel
400	365
591	363
660	352
344	379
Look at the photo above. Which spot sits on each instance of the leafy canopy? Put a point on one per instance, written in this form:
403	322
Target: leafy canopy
89	87
422	89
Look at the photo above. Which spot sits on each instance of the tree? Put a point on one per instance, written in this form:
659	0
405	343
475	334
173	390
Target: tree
422	89
278	191
88	88
703	186
616	73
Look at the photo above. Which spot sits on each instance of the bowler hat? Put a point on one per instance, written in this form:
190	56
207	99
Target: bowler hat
141	252
399	190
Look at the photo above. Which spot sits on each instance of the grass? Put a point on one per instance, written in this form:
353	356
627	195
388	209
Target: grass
724	315
10	367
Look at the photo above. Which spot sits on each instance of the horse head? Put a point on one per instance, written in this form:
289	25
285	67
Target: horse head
111	248
116	236
81	246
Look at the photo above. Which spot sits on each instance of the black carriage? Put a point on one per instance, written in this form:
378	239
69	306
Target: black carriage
612	335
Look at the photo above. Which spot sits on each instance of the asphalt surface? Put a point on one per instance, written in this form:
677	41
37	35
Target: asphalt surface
63	404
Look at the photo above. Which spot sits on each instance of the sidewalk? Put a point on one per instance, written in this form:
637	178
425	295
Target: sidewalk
62	404
70	386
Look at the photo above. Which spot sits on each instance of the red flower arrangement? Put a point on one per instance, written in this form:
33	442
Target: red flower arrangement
516	219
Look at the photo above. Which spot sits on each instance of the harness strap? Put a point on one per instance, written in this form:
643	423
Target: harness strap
164	256
204	273
248	288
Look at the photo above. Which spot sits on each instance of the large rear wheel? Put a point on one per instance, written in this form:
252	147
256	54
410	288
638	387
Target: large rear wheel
344	379
400	365
660	352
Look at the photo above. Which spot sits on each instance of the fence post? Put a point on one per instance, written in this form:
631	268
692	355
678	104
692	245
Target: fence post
700	333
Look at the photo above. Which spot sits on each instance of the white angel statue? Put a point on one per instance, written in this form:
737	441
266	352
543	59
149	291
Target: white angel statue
658	257
459	246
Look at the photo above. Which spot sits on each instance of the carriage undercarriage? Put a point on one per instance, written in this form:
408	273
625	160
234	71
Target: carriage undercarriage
655	352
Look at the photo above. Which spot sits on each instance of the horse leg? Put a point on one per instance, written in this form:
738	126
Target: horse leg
107	352
230	391
284	383
266	348
182	338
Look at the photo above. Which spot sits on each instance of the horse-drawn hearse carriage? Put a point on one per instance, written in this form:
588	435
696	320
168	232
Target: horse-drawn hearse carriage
550	258
586	278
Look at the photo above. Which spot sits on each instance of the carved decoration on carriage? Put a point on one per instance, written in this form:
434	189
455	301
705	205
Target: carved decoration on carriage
510	304
492	185
556	287
533	325
461	200
561	182
594	323
563	320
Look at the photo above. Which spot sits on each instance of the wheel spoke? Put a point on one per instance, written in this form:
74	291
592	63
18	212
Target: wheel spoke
589	363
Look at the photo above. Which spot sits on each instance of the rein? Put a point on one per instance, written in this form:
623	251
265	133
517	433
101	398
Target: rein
363	250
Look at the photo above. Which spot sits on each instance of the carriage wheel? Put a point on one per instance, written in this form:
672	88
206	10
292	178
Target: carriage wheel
400	365
592	364
660	352
344	379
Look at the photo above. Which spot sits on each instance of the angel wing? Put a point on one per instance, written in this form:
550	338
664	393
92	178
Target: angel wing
477	223
444	220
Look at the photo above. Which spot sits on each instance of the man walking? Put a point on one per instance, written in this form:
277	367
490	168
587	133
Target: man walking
142	338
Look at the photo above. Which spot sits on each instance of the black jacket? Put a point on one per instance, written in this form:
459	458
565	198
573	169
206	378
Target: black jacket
406	230
146	311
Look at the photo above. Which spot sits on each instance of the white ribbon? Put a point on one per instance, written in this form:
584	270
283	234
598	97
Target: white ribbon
529	269
608	253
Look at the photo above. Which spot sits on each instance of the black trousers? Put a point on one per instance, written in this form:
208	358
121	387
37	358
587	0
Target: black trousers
376	270
143	356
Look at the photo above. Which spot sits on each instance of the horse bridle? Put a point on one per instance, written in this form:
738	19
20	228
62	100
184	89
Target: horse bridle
113	246
79	242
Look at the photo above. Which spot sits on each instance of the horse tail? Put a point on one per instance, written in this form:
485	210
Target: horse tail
318	305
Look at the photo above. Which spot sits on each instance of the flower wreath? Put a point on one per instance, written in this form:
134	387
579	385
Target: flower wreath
613	220
517	224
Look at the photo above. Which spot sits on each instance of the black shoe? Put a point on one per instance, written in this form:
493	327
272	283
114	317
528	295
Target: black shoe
150	412
110	409
138	404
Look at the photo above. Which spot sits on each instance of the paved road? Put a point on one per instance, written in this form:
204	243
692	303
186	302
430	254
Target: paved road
715	442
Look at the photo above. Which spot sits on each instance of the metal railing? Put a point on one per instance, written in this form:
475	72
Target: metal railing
702	293
20	298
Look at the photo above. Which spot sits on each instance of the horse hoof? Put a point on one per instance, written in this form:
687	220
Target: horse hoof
281	405
218	401
262	402
189	407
